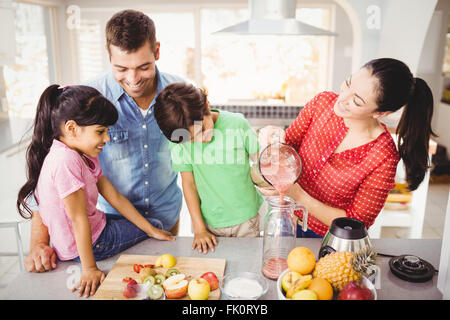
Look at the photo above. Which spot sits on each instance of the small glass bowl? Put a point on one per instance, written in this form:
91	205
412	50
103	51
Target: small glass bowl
245	276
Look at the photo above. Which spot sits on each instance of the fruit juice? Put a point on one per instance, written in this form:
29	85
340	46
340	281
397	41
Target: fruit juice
281	172
274	267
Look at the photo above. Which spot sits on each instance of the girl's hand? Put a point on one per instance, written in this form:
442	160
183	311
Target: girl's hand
90	279
203	240
160	234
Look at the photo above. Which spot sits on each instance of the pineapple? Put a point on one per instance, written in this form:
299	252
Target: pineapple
339	268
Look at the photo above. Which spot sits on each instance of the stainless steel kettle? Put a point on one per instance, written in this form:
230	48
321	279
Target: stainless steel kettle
344	234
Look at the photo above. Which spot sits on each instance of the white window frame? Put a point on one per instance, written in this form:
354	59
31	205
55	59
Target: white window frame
98	9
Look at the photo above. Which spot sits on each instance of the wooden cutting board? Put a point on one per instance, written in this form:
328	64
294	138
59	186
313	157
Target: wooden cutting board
112	287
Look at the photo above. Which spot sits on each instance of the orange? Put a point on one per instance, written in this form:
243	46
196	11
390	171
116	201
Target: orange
301	260
322	288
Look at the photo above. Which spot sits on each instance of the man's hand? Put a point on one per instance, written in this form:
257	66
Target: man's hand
40	259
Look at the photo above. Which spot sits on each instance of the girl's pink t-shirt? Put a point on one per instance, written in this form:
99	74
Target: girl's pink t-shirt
64	172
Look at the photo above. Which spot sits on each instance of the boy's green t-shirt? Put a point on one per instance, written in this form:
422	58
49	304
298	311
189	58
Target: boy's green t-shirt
221	170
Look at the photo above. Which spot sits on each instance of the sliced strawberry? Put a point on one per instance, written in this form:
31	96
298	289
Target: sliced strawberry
128	279
137	267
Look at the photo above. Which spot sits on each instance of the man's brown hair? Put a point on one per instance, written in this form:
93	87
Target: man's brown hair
178	106
129	30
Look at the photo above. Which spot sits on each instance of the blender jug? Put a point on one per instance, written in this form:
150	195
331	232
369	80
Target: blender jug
280	165
279	234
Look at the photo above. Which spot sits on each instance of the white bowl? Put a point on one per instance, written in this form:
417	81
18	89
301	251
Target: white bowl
364	281
245	276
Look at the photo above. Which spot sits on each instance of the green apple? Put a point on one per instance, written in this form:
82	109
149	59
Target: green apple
198	289
288	279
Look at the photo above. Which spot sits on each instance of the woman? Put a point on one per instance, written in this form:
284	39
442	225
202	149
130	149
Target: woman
349	157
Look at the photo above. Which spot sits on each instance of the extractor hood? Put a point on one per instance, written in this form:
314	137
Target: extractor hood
274	17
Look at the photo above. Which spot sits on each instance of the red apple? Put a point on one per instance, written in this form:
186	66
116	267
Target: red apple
352	291
212	280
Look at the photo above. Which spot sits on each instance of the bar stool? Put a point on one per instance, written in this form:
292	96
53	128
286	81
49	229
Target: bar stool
9	218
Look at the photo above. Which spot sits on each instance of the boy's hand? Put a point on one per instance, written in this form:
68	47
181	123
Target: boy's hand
203	240
90	279
160	234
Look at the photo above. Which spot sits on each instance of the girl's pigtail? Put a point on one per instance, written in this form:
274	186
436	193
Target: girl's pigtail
39	147
414	131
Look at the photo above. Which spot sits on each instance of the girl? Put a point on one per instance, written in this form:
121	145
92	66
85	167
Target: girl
64	176
349	156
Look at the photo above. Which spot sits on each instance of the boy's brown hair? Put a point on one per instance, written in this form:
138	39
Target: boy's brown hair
129	30
177	107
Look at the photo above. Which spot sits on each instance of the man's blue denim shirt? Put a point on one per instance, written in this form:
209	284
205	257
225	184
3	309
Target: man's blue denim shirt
137	160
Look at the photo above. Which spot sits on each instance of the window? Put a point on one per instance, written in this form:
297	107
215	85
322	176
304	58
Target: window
278	68
90	36
177	48
29	76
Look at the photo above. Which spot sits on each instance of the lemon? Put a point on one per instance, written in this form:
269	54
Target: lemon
166	261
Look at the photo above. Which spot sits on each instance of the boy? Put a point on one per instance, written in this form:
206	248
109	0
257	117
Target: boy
211	149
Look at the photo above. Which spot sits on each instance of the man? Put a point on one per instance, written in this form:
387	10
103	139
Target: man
137	160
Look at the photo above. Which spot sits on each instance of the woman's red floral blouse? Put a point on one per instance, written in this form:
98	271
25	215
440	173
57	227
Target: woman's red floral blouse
357	180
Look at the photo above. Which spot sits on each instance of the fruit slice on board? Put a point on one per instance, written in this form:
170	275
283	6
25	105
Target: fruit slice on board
159	278
150	279
155	292
172	272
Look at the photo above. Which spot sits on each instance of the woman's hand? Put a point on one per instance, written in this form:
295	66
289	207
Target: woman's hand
297	193
89	281
204	240
270	134
160	234
268	191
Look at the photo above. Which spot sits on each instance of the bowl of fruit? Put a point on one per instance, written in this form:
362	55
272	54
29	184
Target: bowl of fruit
243	286
339	275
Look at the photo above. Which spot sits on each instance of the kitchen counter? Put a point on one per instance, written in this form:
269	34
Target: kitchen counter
241	254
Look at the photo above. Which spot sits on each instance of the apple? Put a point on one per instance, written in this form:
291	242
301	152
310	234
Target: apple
175	286
198	289
212	280
352	291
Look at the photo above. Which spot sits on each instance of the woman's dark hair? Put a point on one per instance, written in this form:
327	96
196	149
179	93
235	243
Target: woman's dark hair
82	104
397	87
177	107
129	30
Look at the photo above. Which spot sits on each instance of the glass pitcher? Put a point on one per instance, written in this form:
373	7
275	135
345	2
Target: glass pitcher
279	234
